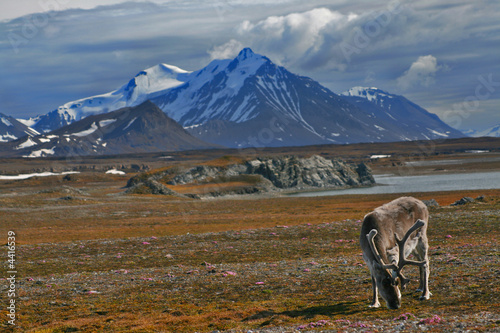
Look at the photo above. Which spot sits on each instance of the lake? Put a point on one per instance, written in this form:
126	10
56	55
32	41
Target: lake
412	184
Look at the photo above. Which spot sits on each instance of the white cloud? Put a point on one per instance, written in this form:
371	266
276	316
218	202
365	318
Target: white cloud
86	52
293	38
226	51
421	73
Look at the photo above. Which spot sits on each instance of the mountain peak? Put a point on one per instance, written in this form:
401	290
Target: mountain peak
246	53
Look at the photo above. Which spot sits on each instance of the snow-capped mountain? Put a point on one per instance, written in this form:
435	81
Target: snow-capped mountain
145	85
250	102
399	115
143	128
492	132
12	129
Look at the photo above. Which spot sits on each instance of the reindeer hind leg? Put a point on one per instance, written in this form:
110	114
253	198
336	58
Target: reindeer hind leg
421	252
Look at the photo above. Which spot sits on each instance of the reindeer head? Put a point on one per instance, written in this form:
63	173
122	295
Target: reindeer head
388	277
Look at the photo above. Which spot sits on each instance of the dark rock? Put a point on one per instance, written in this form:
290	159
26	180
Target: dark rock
365	174
431	203
463	201
151	186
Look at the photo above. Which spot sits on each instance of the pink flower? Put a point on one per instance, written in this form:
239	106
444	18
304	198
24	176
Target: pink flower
434	320
230	273
153	237
146	243
448	236
259	283
405	316
307	270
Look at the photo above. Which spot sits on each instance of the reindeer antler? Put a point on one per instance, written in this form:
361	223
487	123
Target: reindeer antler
401	246
402	259
379	259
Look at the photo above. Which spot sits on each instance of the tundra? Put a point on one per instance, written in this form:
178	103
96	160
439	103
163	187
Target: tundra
389	235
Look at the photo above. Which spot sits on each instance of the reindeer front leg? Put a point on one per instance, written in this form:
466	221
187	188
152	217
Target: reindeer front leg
375	302
422	249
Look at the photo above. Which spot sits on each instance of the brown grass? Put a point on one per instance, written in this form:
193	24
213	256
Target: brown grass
102	261
118	263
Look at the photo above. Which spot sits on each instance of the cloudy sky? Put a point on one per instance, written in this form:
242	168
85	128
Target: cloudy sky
441	54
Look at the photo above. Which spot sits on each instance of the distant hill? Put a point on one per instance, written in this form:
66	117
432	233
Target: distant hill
493	131
399	115
139	129
11	129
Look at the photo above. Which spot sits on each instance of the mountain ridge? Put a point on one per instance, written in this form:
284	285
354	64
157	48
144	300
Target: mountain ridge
143	128
249	101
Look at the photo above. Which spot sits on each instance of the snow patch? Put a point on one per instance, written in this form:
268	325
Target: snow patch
192	126
28	122
6	121
7	137
371	94
26	144
130	123
41	153
115	172
437	133
104	123
86	132
30	175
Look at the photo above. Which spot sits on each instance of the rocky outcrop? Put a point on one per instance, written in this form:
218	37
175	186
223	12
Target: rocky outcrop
314	172
271	174
150	186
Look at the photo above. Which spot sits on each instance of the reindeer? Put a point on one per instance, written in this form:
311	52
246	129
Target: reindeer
388	235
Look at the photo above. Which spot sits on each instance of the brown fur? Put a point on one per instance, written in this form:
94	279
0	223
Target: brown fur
395	217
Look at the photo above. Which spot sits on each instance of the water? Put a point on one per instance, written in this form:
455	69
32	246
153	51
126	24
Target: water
411	184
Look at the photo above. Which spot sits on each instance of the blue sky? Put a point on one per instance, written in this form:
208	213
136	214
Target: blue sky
443	55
